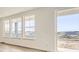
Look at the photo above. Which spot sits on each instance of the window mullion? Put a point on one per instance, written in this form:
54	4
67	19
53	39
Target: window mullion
16	29
10	27
23	30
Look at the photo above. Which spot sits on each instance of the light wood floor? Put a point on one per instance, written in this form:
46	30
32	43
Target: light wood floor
12	48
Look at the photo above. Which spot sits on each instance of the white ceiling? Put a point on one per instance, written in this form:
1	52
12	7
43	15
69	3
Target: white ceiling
6	11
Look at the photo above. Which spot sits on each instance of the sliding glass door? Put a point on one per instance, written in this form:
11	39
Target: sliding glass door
68	32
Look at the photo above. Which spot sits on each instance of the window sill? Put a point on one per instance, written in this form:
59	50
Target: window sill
21	38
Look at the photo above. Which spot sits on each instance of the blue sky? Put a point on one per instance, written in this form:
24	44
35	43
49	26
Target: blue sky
68	23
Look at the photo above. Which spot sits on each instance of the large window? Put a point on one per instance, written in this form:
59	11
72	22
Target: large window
16	27
29	27
68	32
20	27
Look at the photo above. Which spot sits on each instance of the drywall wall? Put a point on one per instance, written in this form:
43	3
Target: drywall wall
45	31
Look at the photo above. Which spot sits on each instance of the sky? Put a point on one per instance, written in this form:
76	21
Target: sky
68	23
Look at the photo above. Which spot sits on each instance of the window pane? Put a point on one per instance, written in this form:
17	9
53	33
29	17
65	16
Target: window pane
27	23
19	28
32	23
16	27
13	29
29	27
6	27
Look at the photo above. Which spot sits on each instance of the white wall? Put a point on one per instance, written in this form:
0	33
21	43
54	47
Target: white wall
45	31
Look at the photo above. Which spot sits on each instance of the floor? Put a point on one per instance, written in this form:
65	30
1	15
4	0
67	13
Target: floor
12	48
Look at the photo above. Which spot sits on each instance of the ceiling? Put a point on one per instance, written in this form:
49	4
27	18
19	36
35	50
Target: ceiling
6	11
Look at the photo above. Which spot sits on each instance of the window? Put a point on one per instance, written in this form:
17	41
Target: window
29	27
68	31
16	27
6	27
20	27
